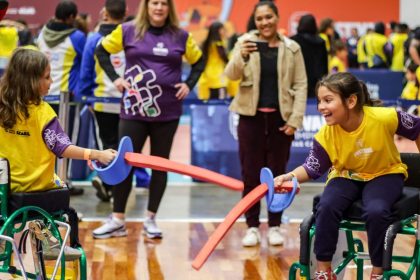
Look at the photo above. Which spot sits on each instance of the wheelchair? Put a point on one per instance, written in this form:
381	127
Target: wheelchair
407	222
49	208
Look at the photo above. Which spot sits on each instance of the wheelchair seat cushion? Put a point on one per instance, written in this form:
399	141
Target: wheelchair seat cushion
50	201
407	206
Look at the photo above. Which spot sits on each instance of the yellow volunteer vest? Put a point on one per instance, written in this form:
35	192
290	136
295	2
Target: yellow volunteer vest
374	45
398	51
327	44
9	40
213	75
361	54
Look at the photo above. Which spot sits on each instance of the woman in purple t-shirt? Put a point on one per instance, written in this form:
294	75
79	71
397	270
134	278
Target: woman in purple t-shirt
153	91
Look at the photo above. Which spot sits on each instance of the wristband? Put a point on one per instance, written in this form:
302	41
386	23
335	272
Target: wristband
86	154
293	175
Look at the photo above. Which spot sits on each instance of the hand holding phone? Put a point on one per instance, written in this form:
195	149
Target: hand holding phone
262	46
247	47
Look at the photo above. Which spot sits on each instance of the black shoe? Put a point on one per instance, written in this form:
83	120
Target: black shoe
76	191
101	191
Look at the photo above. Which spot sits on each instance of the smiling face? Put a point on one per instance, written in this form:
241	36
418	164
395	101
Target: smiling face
331	106
266	21
45	82
158	11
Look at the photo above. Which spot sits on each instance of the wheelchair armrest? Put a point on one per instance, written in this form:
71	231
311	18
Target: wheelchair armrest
51	201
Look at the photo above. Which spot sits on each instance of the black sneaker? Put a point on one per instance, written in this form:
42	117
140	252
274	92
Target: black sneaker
101	191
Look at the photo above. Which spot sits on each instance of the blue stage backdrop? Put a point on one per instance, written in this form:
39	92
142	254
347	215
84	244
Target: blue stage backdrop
382	84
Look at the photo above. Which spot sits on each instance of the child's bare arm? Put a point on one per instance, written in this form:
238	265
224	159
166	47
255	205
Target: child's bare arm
418	143
299	172
75	152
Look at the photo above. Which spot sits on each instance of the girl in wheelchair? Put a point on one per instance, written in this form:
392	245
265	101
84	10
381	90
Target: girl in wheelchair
356	146
31	135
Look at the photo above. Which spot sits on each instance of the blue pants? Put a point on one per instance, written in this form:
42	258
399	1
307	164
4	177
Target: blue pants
378	195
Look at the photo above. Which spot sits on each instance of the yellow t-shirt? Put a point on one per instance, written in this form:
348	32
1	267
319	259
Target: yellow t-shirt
410	91
336	65
213	75
398	41
358	155
32	164
327	44
9	40
374	45
418	74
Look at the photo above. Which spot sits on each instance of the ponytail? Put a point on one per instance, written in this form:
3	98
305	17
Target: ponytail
365	96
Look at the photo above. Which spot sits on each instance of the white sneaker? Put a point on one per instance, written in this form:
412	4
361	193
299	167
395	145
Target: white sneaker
151	229
50	245
112	227
274	236
252	237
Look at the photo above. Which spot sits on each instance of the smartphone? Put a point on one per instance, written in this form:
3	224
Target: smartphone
262	46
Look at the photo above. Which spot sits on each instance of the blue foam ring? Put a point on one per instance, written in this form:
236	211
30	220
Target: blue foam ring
282	201
276	202
118	170
266	176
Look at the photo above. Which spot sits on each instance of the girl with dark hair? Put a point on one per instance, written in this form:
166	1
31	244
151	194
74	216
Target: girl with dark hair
359	165
213	82
326	32
411	89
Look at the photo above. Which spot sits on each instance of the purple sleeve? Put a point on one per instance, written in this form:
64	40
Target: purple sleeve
388	50
408	125
55	138
318	162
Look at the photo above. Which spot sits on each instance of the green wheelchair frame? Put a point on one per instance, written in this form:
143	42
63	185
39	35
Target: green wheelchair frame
13	223
407	224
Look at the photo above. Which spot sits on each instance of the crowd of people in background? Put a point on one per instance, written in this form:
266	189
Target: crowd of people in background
395	47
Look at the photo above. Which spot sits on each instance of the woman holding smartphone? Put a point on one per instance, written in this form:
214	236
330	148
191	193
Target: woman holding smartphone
271	103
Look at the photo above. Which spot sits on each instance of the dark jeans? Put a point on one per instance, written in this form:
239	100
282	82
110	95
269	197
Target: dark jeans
161	137
378	195
261	144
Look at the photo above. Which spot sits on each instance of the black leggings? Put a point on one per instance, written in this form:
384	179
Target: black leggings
161	137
